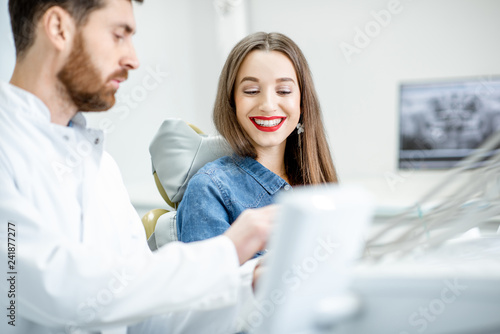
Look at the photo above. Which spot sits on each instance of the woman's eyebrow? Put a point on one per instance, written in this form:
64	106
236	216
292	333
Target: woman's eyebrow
249	79
285	79
253	79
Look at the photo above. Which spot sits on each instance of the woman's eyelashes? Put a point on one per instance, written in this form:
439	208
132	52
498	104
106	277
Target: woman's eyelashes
284	91
252	91
279	91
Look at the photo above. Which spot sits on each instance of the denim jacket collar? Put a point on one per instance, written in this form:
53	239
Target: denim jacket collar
267	179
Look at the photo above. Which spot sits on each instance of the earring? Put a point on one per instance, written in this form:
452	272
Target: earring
300	128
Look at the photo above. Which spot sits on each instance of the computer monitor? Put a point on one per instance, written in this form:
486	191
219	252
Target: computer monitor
441	122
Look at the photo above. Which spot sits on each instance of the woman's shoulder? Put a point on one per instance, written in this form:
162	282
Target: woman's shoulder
209	175
225	171
221	165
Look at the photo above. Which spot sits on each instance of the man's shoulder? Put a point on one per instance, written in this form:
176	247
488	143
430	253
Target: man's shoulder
10	97
11	118
18	106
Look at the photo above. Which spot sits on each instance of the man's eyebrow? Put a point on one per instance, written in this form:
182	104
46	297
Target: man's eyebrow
128	29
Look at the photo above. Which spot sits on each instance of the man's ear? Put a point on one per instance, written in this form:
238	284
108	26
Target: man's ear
59	27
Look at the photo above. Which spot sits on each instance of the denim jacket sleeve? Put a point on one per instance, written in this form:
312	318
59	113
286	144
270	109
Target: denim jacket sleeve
202	213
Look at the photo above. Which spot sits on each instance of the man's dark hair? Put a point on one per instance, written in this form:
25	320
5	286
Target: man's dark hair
24	16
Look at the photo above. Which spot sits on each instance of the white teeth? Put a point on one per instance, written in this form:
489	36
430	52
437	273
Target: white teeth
268	124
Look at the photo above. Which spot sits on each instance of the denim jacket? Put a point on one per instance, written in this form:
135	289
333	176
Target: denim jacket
220	191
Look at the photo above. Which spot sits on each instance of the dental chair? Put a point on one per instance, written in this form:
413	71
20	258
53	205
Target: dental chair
178	151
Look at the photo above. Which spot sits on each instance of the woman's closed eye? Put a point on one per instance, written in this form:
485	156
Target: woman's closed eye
251	91
283	90
279	90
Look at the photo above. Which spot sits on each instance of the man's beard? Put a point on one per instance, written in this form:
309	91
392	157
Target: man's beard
82	80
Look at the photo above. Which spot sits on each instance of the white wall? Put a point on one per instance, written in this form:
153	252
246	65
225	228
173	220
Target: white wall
425	39
7	51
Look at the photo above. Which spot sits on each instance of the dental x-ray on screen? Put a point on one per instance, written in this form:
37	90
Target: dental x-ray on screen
443	122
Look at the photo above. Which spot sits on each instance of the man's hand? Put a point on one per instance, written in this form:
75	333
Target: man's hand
259	269
250	231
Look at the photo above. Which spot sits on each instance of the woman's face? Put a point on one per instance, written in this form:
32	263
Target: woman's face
267	99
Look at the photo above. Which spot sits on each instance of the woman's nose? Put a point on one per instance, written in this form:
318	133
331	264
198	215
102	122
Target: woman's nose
268	102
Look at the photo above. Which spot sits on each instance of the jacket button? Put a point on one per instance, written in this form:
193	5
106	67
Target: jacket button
287	187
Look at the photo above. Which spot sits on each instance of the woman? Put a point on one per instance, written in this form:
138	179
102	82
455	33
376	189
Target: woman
268	111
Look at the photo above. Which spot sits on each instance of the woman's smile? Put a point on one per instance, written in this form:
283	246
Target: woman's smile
268	124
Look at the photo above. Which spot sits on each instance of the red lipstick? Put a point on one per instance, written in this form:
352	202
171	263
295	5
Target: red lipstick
268	128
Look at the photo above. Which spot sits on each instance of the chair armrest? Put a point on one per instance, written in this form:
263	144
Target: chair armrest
165	231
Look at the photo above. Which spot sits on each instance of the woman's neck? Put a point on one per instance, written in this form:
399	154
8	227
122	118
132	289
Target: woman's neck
274	161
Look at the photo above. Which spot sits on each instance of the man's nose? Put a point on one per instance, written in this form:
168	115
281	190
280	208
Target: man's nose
130	60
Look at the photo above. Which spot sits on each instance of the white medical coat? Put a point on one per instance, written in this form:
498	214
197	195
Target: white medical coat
81	257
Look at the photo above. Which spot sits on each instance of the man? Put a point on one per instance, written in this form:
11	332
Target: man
73	248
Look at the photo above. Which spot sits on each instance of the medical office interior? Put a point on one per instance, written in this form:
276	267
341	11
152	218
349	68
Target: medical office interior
370	60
